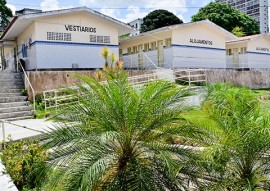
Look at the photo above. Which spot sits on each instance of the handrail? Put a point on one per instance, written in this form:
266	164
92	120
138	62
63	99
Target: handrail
26	77
150	60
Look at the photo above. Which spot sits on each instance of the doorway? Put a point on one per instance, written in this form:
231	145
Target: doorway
140	56
160	53
235	57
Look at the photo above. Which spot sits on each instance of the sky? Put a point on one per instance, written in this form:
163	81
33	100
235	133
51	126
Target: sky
129	9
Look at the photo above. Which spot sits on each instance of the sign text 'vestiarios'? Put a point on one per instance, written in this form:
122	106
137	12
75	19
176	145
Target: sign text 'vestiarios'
80	28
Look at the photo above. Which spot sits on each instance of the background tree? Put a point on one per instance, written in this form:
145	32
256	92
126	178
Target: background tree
227	18
5	14
238	31
159	18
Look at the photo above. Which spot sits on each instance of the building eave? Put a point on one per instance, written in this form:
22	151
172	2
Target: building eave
31	17
179	26
11	24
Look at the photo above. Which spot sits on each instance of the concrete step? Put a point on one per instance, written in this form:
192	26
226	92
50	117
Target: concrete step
21	114
12	86
13	99
11	83
10	94
14	104
13	80
15	109
14	90
19	118
8	75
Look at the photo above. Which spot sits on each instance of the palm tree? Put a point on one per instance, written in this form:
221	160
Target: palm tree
237	141
114	138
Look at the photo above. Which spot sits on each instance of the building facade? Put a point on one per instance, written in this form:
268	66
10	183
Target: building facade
199	44
258	9
252	52
136	24
62	39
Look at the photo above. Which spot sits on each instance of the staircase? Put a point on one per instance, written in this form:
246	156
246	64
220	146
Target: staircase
13	106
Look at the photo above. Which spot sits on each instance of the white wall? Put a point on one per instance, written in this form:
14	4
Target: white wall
59	55
198	57
257	60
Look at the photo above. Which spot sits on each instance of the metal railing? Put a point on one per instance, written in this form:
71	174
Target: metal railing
191	75
26	79
55	98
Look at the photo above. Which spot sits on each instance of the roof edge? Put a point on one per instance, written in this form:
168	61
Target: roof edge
177	26
9	26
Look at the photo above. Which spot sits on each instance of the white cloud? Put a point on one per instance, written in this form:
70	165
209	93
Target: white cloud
134	11
12	7
48	5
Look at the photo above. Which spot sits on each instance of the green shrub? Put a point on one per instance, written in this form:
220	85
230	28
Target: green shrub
22	161
24	92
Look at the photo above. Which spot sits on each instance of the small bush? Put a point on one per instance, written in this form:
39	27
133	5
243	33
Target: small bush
24	92
22	161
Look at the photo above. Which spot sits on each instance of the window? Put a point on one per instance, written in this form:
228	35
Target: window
243	50
58	36
168	42
50	36
93	38
129	50
146	47
100	39
229	52
120	52
134	49
153	45
67	37
107	39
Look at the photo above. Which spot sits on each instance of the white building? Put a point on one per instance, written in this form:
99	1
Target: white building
258	9
61	39
252	52
136	24
199	44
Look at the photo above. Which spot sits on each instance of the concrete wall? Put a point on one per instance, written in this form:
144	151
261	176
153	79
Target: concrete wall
50	80
251	79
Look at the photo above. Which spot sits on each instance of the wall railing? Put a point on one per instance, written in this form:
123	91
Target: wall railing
26	79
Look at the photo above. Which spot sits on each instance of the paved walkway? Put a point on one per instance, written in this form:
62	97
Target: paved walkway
17	133
6	183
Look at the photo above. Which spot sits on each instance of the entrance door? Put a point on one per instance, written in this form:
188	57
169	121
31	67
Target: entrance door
235	57
160	53
140	56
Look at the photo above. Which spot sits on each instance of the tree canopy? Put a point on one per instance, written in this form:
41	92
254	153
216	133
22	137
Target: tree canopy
5	13
159	18
228	18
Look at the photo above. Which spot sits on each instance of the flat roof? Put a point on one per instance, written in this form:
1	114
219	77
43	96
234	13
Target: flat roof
21	22
227	33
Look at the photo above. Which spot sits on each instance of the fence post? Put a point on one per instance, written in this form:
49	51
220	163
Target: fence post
4	134
189	78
